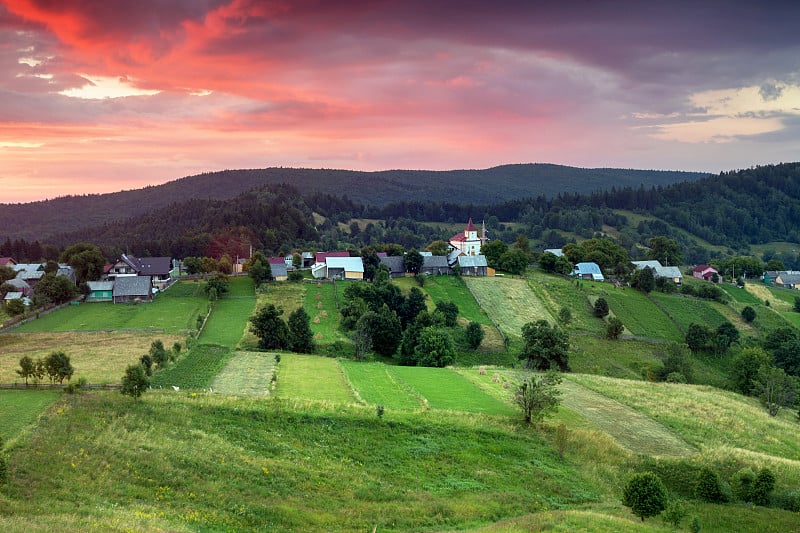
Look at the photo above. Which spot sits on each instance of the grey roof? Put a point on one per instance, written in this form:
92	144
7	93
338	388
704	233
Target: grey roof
13	296
434	261
132	286
426	254
472	261
555	251
669	272
279	270
349	264
789	278
394	263
100	285
28	266
593	269
650	264
30	274
18	283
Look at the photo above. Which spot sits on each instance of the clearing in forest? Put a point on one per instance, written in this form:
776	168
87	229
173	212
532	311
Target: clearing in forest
510	302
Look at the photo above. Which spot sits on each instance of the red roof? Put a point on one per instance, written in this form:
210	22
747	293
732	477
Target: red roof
320	257
276	261
470	227
702	268
458	237
7	261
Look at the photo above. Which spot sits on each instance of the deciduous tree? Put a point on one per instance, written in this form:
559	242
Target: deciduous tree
774	388
475	335
301	338
545	346
537	395
58	367
271	330
434	347
135	381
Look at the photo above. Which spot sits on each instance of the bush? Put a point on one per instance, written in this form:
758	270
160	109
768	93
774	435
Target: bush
790	501
3	468
748	314
709	487
295	276
763	486
601	307
675	513
675	377
742	484
565	316
645	494
474	335
614	328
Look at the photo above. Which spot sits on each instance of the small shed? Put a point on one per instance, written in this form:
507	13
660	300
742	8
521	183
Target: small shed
100	291
435	265
279	271
590	271
395	265
131	288
473	265
351	268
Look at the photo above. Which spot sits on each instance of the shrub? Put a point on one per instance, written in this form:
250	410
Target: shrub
565	316
614	328
742	484
748	314
601	307
675	377
763	486
790	501
709	487
474	335
645	494
675	513
3	468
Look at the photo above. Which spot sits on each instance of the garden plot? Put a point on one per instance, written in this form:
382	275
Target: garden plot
375	385
311	377
510	302
246	374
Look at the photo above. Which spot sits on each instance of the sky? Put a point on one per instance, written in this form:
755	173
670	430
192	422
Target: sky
107	95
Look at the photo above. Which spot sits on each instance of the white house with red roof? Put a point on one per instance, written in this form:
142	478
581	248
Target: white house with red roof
468	242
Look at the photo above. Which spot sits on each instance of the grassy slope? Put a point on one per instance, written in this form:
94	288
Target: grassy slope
228	320
20	409
173	311
246	374
510	302
640	315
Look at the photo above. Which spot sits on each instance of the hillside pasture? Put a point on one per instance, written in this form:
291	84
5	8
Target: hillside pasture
173	311
311	377
21	408
453	288
686	310
705	417
375	385
556	292
227	323
443	388
641	316
246	374
510	302
100	357
322	302
742	295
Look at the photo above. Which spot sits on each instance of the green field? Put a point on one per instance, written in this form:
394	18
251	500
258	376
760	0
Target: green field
739	295
246	374
228	321
686	310
310	377
442	388
320	303
19	409
555	292
375	385
640	315
510	302
452	288
173	311
194	370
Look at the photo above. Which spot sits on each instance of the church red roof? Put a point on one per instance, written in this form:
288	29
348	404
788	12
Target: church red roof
470	227
458	237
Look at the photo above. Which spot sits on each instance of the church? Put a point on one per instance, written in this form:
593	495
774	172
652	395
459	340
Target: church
468	242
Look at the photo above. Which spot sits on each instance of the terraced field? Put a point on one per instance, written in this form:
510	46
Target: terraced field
246	374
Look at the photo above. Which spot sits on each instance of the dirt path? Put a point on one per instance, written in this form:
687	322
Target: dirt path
631	429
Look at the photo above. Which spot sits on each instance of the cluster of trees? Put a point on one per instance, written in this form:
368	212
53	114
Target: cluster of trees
276	334
136	379
514	259
56	366
700	337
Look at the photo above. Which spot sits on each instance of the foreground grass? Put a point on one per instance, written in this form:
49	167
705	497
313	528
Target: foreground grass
184	462
99	357
20	408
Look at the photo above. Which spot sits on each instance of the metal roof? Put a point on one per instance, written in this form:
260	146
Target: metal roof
349	264
132	286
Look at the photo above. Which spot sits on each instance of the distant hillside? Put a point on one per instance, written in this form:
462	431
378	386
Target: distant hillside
40	220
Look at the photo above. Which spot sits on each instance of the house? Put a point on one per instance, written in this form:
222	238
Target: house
351	268
31	274
468	242
132	288
789	279
670	272
395	264
100	291
320	268
12	296
20	285
7	261
555	251
308	259
472	265
705	272
435	265
320	257
279	271
157	269
590	271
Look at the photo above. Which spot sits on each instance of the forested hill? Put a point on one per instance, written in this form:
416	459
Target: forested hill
41	220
